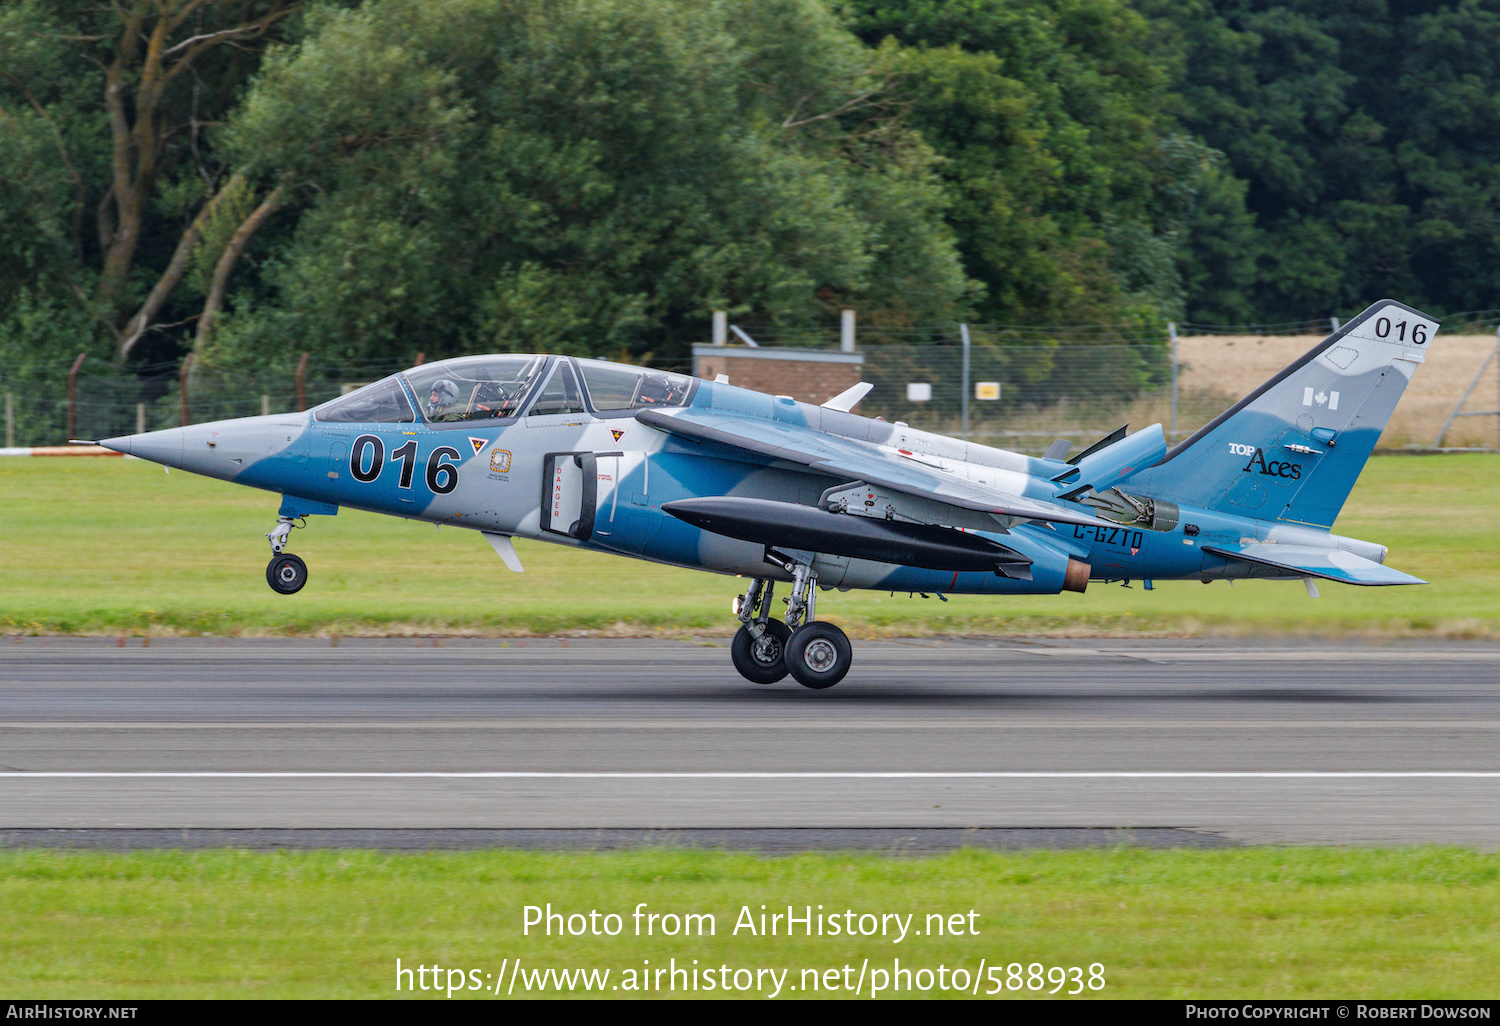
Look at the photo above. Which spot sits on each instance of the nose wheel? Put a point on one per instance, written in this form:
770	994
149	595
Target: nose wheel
286	573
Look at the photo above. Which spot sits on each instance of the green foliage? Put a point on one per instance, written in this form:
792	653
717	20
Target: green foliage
1068	185
595	176
43	117
40	336
61	159
584	176
43	325
236	200
1362	138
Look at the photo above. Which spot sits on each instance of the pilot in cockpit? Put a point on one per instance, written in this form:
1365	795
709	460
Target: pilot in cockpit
443	397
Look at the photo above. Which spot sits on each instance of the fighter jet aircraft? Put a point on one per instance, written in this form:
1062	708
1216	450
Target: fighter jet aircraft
710	476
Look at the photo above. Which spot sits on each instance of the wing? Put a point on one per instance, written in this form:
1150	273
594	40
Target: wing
911	474
1316	561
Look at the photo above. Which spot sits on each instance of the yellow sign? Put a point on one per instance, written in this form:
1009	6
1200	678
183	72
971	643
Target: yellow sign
987	390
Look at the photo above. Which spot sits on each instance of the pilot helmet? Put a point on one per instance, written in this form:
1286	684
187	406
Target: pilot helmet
446	392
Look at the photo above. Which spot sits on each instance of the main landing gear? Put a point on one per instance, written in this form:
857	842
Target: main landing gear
285	573
764	650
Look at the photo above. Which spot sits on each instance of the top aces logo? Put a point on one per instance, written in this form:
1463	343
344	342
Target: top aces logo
1272	468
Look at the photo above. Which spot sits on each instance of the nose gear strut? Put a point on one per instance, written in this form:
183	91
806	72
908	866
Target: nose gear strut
279	533
286	573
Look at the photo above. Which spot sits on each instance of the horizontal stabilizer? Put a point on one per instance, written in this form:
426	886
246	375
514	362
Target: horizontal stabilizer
1104	443
1332	564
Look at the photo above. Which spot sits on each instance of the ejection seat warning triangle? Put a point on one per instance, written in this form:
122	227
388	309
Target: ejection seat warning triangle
478	443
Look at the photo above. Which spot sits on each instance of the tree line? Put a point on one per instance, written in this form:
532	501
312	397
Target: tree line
251	179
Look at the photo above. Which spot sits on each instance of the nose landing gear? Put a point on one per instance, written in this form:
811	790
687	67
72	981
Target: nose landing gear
816	653
286	573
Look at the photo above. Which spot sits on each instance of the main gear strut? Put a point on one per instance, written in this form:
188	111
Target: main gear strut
760	643
764	650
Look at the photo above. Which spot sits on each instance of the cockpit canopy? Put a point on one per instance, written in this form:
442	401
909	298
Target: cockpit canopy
384	402
616	386
470	388
475	387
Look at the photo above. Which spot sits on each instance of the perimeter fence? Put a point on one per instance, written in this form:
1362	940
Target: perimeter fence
1021	386
1017	386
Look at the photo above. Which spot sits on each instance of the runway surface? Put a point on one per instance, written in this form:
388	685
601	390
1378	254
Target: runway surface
601	743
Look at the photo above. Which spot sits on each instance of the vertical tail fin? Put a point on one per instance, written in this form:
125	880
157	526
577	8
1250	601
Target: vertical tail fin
1292	449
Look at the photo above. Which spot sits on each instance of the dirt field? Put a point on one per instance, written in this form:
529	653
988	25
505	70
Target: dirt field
1228	367
1218	370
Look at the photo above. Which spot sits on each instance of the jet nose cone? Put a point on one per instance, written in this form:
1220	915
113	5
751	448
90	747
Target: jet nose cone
157	446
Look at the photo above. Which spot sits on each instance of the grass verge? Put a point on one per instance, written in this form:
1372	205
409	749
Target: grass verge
1264	922
109	547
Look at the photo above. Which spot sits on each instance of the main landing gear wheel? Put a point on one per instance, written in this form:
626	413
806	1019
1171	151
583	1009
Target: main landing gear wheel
761	660
819	655
286	573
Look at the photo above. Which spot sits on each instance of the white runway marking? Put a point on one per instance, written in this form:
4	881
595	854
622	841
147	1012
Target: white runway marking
755	775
